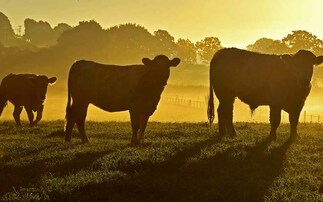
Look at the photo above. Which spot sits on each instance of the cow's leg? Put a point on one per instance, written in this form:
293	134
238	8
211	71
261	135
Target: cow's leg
81	113
229	117
16	114
70	122
135	124
39	115
274	120
143	123
293	121
221	119
30	115
3	103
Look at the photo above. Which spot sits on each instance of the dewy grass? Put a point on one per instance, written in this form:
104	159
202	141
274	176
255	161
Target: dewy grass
177	162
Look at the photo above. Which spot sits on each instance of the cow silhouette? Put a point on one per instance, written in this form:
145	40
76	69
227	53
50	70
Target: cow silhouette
281	81
25	90
113	88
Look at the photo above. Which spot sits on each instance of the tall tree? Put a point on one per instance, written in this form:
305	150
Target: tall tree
261	45
129	43
85	41
302	39
166	42
39	33
60	28
7	34
186	50
269	46
207	47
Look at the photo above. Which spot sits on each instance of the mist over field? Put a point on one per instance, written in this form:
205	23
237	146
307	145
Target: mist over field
41	48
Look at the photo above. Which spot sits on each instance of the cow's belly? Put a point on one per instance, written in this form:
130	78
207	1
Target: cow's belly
112	108
112	102
26	101
260	97
254	103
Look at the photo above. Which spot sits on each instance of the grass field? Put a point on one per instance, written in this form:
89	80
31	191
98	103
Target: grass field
178	162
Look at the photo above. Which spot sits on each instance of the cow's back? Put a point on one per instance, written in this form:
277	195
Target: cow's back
255	78
16	86
109	87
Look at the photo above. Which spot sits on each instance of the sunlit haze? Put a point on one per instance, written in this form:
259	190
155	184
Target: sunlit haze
231	23
235	22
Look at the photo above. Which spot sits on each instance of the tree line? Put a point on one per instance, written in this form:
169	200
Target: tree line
45	49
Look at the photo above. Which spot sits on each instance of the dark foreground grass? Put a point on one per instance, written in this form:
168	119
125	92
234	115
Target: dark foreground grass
178	162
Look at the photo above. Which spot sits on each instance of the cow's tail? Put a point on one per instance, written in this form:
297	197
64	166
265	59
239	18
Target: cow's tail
3	100
69	96
210	108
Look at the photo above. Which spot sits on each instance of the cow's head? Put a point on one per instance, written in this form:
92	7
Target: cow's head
159	67
302	65
160	62
40	84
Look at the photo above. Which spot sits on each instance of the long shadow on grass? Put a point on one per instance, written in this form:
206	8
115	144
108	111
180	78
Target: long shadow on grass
30	175
222	177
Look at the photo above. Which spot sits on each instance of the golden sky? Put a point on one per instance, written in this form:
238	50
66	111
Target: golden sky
234	22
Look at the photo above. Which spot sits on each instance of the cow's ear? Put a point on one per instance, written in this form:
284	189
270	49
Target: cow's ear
319	60
286	58
174	62
147	61
52	80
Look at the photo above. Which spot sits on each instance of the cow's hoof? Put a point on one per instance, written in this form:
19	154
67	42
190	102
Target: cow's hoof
133	144
68	140
293	136
141	141
85	141
272	137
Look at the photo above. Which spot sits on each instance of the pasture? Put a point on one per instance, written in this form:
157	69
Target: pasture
177	162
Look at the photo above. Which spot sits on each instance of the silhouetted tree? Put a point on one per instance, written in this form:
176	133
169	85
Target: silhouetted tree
261	45
7	35
85	41
186	50
41	33
61	27
301	39
166	44
278	47
129	43
269	46
207	47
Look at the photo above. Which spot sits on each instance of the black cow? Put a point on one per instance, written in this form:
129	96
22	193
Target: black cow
25	90
280	81
136	88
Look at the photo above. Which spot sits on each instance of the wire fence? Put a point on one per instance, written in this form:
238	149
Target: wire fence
177	100
241	110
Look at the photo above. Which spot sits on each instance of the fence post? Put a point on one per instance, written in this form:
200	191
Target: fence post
304	116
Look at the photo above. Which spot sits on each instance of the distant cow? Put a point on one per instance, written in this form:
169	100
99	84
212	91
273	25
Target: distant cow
113	88
280	81
25	90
